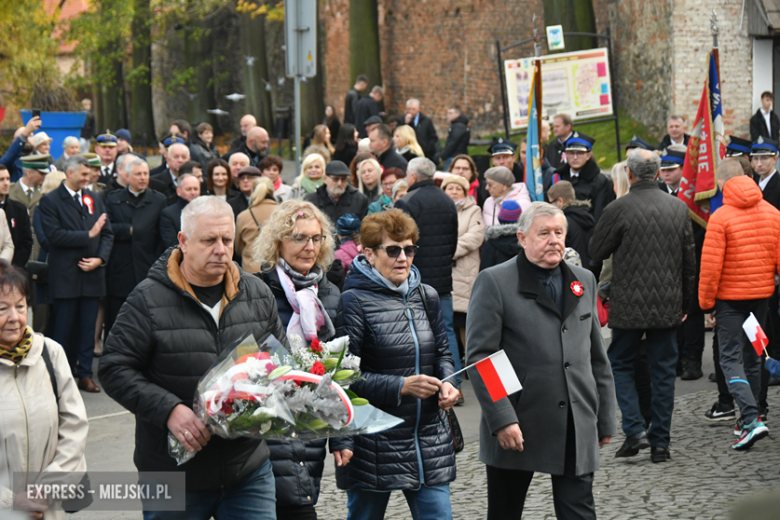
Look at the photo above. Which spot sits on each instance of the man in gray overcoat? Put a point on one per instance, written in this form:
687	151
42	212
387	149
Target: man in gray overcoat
542	313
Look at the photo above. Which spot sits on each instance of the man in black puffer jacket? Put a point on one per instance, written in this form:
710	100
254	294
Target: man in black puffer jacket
195	305
437	219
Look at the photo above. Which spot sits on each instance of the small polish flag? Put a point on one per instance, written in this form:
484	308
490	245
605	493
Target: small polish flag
755	334
499	376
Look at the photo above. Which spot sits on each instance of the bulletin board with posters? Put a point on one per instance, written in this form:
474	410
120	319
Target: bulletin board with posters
575	83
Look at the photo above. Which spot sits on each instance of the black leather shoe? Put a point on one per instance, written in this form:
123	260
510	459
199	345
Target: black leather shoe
633	444
713	378
659	454
691	373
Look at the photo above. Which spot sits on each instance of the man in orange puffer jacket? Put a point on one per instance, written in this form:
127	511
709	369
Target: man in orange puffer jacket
740	260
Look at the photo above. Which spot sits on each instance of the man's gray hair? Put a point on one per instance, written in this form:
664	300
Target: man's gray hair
123	158
422	167
70	141
73	162
132	164
180	145
214	207
412	102
677	118
181	178
537	209
643	164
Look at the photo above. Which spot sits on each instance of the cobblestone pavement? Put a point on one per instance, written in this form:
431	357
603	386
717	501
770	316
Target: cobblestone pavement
703	480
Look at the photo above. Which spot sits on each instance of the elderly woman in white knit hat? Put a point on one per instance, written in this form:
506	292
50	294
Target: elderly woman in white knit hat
500	183
41	144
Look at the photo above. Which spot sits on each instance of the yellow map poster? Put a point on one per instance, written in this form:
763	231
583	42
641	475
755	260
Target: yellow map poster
575	83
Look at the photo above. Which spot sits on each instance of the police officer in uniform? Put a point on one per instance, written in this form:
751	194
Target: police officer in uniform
584	174
503	154
105	148
671	171
637	142
763	158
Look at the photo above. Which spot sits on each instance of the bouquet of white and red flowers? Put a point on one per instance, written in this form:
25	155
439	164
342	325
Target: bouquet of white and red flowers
271	392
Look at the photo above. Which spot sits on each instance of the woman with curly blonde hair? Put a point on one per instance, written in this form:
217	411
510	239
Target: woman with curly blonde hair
405	142
295	249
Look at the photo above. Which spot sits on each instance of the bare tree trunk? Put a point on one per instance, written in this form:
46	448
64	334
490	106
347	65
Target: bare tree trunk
141	111
111	107
364	41
197	57
255	68
574	16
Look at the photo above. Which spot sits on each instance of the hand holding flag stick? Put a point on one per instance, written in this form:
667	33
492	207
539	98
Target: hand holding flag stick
498	375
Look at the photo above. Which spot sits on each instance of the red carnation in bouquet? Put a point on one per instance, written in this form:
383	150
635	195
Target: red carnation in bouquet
316	346
318	369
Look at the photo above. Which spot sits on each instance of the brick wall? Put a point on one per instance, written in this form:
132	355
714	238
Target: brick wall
643	49
692	41
443	51
437	51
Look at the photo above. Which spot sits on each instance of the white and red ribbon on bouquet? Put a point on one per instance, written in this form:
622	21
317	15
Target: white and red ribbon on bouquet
232	384
306	377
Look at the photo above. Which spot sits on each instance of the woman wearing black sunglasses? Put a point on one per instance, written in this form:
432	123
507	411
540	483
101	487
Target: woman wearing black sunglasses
395	325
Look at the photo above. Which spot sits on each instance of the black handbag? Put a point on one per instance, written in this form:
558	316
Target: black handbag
457	434
38	271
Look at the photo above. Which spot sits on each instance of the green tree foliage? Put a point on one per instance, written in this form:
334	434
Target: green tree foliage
28	53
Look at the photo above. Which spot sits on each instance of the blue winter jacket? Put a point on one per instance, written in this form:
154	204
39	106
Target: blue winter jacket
395	339
298	465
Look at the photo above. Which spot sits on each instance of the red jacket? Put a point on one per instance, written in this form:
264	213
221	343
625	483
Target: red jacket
741	248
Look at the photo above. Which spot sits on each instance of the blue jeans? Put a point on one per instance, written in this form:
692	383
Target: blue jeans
253	498
662	355
426	503
446	313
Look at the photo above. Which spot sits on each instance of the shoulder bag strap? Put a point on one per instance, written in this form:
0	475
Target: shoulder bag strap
50	369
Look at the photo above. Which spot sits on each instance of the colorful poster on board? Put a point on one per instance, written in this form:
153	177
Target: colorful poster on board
577	83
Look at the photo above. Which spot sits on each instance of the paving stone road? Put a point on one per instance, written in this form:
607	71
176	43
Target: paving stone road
703	480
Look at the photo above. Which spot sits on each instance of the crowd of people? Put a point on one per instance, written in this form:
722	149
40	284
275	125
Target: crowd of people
426	263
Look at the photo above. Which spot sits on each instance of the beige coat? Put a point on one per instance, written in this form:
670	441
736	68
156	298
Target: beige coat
37	437
6	241
471	234
247	231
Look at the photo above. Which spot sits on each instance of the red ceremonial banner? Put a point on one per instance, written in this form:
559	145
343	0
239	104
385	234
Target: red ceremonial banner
698	178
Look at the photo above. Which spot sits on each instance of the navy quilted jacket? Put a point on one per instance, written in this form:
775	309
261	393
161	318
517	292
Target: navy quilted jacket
437	219
394	339
298	465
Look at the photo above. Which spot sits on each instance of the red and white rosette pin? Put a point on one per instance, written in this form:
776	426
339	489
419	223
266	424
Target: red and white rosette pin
89	203
306	377
577	289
